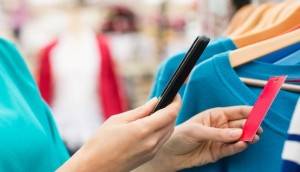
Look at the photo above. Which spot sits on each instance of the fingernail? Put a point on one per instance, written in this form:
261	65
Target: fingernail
153	99
234	133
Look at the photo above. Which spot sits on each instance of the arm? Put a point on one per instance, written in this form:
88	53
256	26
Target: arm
126	141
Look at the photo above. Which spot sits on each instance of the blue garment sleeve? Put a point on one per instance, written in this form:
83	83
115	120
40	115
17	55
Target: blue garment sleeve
292	59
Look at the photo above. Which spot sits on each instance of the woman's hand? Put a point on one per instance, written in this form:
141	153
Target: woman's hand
127	140
205	138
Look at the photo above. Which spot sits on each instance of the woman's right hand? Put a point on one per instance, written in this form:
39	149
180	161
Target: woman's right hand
127	140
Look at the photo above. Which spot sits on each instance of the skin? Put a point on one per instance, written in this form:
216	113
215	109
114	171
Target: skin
137	141
206	138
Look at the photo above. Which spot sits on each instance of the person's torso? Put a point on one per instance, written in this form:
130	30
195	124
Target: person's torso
76	69
29	139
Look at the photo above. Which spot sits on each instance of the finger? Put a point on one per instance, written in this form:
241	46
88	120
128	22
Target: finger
255	140
260	131
240	124
163	117
236	112
231	149
200	133
225	114
237	123
140	112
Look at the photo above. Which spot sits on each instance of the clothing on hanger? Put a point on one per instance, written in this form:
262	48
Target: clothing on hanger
193	103
290	154
214	83
169	66
216	77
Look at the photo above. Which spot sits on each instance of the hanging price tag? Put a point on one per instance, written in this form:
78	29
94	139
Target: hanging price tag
261	107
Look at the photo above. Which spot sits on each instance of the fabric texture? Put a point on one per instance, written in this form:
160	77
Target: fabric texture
29	138
110	92
291	150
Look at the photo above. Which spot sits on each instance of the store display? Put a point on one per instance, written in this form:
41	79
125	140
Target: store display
216	82
93	59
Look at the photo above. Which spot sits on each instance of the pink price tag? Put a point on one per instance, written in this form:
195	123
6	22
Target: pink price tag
261	107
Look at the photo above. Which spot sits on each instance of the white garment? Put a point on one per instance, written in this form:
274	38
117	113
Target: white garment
75	64
291	149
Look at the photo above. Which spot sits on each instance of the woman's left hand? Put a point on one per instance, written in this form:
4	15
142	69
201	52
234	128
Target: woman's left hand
205	138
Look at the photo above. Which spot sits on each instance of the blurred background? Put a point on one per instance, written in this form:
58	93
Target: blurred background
141	32
61	41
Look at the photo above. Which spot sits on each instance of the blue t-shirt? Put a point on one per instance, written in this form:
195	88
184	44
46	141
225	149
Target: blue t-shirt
291	59
29	140
214	83
281	54
169	66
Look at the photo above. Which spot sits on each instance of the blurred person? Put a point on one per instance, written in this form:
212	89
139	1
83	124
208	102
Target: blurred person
134	140
77	78
133	50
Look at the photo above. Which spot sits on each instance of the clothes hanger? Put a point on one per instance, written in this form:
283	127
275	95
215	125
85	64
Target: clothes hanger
283	14
249	53
270	16
293	58
262	83
239	18
291	20
252	52
253	19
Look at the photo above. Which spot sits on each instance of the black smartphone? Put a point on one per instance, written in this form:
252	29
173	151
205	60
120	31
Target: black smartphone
182	72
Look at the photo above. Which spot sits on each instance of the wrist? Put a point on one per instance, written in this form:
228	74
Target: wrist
160	163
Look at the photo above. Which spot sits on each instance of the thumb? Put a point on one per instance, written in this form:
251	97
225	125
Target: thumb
141	111
200	133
